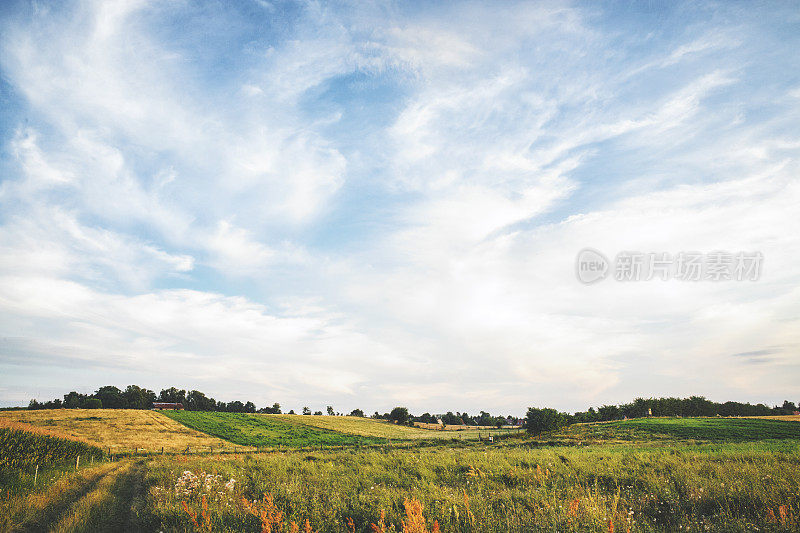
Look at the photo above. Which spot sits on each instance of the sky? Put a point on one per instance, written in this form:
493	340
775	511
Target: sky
374	204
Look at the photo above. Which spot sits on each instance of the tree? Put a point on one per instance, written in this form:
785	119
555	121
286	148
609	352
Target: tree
399	415
172	395
330	411
357	412
291	411
93	403
74	400
249	407
138	398
111	397
306	411
317	413
235	407
541	420
609	412
197	401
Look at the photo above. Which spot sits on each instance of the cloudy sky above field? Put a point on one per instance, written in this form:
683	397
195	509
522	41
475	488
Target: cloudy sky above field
378	204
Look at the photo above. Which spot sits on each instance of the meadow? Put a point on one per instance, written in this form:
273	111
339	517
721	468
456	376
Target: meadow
659	475
729	487
698	429
382	429
366	427
265	430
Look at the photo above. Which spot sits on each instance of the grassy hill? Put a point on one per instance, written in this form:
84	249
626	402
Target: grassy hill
265	430
366	427
682	429
308	430
121	430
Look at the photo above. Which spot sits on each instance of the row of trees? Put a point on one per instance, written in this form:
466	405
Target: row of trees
541	420
400	415
135	397
537	420
692	406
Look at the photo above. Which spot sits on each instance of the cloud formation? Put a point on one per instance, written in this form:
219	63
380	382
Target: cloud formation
318	204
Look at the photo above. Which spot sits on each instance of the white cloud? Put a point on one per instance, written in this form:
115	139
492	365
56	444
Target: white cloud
220	210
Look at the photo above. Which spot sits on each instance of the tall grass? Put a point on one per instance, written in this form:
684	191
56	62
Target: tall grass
731	487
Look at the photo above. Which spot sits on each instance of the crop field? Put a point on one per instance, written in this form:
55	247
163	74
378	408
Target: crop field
700	429
265	430
366	427
649	475
120	430
369	427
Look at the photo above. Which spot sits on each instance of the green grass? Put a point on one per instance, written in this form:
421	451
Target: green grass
700	429
265	430
682	487
652	475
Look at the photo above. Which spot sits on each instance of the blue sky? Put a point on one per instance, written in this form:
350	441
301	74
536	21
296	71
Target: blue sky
379	204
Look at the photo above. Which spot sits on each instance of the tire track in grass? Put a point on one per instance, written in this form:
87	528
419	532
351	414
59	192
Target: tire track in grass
116	504
49	506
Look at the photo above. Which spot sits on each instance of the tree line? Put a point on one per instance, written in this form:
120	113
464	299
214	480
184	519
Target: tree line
541	420
536	420
135	397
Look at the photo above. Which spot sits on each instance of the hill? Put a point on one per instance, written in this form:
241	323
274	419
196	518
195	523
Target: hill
120	430
681	429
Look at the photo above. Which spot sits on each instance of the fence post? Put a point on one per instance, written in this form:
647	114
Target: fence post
77	462
36	475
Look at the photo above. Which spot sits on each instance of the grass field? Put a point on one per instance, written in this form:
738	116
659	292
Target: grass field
121	430
700	429
367	427
265	430
729	487
650	475
311	430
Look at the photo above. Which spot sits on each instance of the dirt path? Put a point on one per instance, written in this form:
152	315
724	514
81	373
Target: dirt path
111	500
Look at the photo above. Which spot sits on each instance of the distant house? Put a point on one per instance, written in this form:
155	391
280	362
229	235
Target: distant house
160	406
513	421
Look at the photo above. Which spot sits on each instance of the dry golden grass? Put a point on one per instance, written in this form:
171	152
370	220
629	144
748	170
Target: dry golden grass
789	418
452	427
366	427
37	430
118	429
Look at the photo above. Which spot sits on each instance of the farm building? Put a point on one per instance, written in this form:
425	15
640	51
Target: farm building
175	406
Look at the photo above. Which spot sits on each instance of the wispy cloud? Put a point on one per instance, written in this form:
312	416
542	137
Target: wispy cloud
366	207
